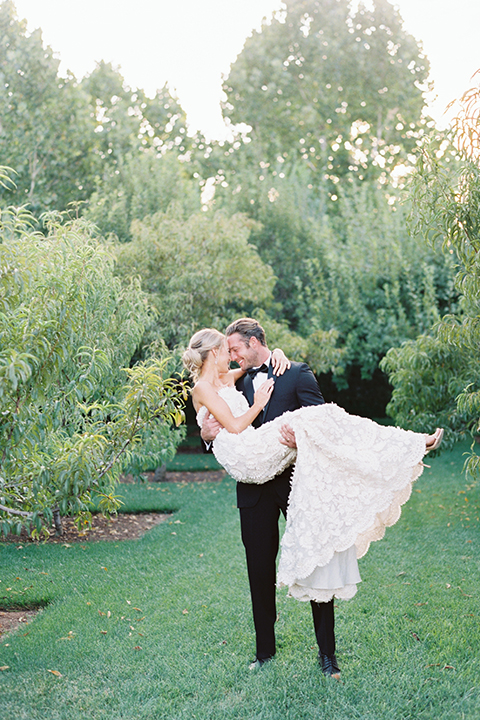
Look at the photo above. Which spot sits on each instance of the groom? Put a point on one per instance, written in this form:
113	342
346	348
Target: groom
260	505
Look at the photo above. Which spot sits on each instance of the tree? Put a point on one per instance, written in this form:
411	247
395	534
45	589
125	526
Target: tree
437	375
290	229
142	184
197	271
126	121
64	138
46	133
353	270
72	413
339	91
334	100
375	284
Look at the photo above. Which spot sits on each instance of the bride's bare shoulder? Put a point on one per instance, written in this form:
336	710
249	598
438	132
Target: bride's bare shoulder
201	389
204	393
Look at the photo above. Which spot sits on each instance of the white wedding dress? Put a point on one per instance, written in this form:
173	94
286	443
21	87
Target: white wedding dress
351	478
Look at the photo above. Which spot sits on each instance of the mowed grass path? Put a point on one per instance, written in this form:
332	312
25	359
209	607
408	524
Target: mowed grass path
161	627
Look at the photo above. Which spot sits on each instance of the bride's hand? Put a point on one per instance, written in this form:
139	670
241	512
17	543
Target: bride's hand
280	362
264	392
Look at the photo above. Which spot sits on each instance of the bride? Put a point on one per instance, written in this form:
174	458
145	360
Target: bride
350	478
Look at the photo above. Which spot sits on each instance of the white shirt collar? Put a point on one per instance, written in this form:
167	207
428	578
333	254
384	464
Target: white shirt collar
265	362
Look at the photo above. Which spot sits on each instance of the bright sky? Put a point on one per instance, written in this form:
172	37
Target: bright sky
190	43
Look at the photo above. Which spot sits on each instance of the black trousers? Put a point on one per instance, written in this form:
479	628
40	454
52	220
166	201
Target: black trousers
260	536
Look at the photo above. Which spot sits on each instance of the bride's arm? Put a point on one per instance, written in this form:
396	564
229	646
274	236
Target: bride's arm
205	394
280	362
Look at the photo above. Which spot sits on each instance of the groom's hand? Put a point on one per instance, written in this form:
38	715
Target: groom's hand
287	436
210	429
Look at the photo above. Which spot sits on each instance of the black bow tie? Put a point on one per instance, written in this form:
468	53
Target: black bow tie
254	371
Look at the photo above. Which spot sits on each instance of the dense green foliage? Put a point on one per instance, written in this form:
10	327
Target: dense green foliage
198	272
352	269
142	185
297	219
339	91
64	137
334	103
70	415
439	373
45	126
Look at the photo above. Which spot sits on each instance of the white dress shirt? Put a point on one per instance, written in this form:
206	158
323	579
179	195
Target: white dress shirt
261	376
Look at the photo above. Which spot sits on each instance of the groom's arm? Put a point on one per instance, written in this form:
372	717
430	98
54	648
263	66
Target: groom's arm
308	393
209	431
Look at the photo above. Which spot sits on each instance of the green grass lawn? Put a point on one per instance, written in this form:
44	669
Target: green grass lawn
195	462
161	627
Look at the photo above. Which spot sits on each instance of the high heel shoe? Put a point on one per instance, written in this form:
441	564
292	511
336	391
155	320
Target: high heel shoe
437	439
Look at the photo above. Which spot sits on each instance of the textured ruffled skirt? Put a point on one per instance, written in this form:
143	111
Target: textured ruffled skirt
351	478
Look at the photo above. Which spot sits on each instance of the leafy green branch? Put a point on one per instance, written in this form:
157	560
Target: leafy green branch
69	420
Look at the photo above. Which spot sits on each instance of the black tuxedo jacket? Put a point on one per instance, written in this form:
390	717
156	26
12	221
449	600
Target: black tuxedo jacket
296	388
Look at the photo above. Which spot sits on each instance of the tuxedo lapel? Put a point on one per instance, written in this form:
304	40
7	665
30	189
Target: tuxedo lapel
248	388
245	385
263	414
283	397
249	393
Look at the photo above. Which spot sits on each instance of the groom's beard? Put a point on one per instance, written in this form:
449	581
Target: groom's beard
251	362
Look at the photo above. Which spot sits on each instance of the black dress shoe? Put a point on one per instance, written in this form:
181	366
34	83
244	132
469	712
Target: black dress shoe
259	663
329	665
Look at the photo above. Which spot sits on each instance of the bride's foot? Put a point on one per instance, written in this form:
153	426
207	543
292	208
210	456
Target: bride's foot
433	441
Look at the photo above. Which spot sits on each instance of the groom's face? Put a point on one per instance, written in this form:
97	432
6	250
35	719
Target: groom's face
245	355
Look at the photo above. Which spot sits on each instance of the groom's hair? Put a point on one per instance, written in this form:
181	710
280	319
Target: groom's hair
247	328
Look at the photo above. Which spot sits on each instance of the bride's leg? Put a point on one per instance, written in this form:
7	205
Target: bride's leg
433	441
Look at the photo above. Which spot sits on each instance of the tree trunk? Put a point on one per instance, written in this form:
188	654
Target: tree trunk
160	473
57	521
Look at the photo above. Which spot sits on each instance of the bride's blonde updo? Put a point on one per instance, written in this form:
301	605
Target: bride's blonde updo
198	348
